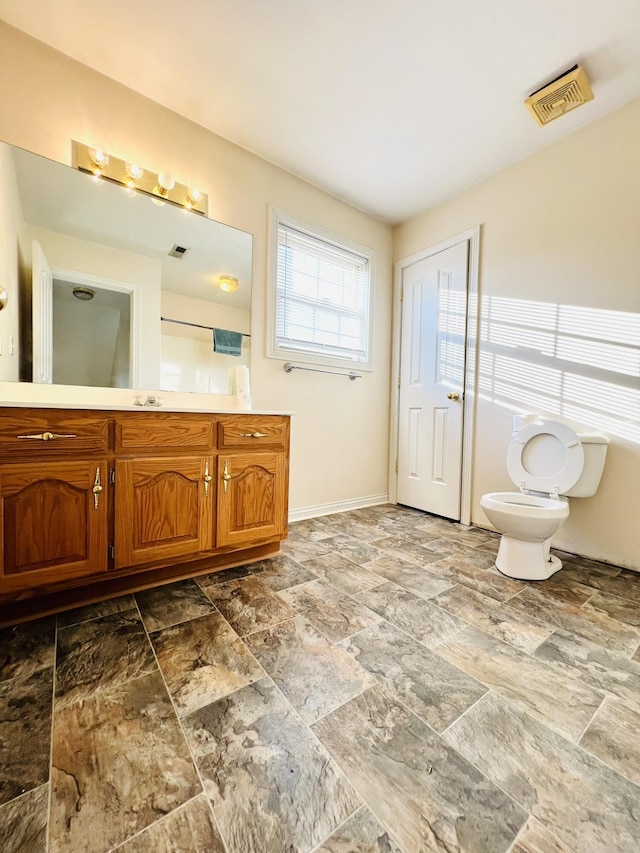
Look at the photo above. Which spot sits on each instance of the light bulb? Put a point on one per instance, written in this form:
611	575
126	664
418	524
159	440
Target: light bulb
134	172
194	195
166	182
98	157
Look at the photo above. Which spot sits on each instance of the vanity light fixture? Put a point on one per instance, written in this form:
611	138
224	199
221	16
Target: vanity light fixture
228	283
162	186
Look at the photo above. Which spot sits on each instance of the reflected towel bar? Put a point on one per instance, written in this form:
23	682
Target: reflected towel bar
288	367
195	325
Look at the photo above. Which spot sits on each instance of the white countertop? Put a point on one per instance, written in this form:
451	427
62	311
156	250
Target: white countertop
28	395
106	407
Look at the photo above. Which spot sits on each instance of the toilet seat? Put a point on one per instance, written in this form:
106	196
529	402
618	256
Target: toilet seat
527	463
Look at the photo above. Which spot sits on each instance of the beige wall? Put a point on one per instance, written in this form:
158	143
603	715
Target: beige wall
560	251
340	430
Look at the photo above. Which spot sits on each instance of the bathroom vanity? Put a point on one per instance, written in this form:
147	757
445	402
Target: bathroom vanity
95	503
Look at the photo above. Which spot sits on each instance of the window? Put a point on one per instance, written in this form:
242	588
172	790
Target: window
320	295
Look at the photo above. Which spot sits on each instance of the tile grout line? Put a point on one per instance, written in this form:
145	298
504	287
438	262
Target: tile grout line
53	709
137	834
340	825
584	731
266	627
338	765
101	691
307	726
601	761
481	772
313	735
332	643
542	719
178	624
186	742
346	820
553	835
440	735
319	743
410	636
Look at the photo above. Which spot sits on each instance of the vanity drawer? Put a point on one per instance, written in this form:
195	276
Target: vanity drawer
252	431
142	431
47	432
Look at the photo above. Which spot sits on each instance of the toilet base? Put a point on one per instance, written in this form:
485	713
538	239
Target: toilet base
529	561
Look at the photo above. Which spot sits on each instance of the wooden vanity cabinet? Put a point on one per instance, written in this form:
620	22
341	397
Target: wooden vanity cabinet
110	501
164	499
163	509
252	478
252	497
54	526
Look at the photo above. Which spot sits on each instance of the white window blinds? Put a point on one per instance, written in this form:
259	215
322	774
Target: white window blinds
322	299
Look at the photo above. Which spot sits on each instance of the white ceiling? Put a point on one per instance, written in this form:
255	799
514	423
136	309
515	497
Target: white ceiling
393	105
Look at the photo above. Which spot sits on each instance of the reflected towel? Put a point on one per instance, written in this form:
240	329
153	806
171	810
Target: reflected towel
226	342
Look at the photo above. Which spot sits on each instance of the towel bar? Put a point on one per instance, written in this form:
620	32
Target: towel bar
288	367
196	325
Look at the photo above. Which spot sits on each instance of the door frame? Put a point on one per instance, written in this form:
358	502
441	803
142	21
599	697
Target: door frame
102	283
472	236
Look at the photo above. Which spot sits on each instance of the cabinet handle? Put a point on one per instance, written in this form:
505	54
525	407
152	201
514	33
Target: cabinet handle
226	476
47	436
207	479
254	435
97	489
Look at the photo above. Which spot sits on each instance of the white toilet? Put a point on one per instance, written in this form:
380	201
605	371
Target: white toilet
547	460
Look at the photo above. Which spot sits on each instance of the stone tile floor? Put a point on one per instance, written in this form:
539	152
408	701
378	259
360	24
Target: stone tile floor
378	687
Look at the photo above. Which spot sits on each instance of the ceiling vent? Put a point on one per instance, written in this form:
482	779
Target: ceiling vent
563	94
178	251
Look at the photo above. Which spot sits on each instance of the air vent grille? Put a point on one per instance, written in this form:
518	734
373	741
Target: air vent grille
178	251
569	91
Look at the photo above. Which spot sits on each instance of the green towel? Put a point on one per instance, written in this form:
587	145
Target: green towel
226	342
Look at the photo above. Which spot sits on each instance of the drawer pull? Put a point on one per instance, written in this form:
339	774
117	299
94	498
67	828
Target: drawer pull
48	436
97	489
207	479
254	435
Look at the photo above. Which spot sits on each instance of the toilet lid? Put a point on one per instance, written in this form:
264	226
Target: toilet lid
545	456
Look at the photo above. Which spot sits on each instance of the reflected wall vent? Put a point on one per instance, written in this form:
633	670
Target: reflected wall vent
178	251
562	95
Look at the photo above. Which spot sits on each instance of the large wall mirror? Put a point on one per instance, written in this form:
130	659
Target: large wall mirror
108	287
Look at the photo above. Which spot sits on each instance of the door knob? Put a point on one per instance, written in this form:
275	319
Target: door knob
453	395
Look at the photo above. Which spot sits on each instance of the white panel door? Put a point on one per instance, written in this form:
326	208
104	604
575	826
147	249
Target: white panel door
434	306
42	315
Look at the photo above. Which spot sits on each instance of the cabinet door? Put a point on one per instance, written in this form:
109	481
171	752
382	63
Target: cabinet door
252	497
163	509
54	526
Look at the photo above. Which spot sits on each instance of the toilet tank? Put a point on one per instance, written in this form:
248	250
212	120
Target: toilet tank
595	446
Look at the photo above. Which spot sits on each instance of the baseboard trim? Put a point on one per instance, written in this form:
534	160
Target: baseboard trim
339	506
